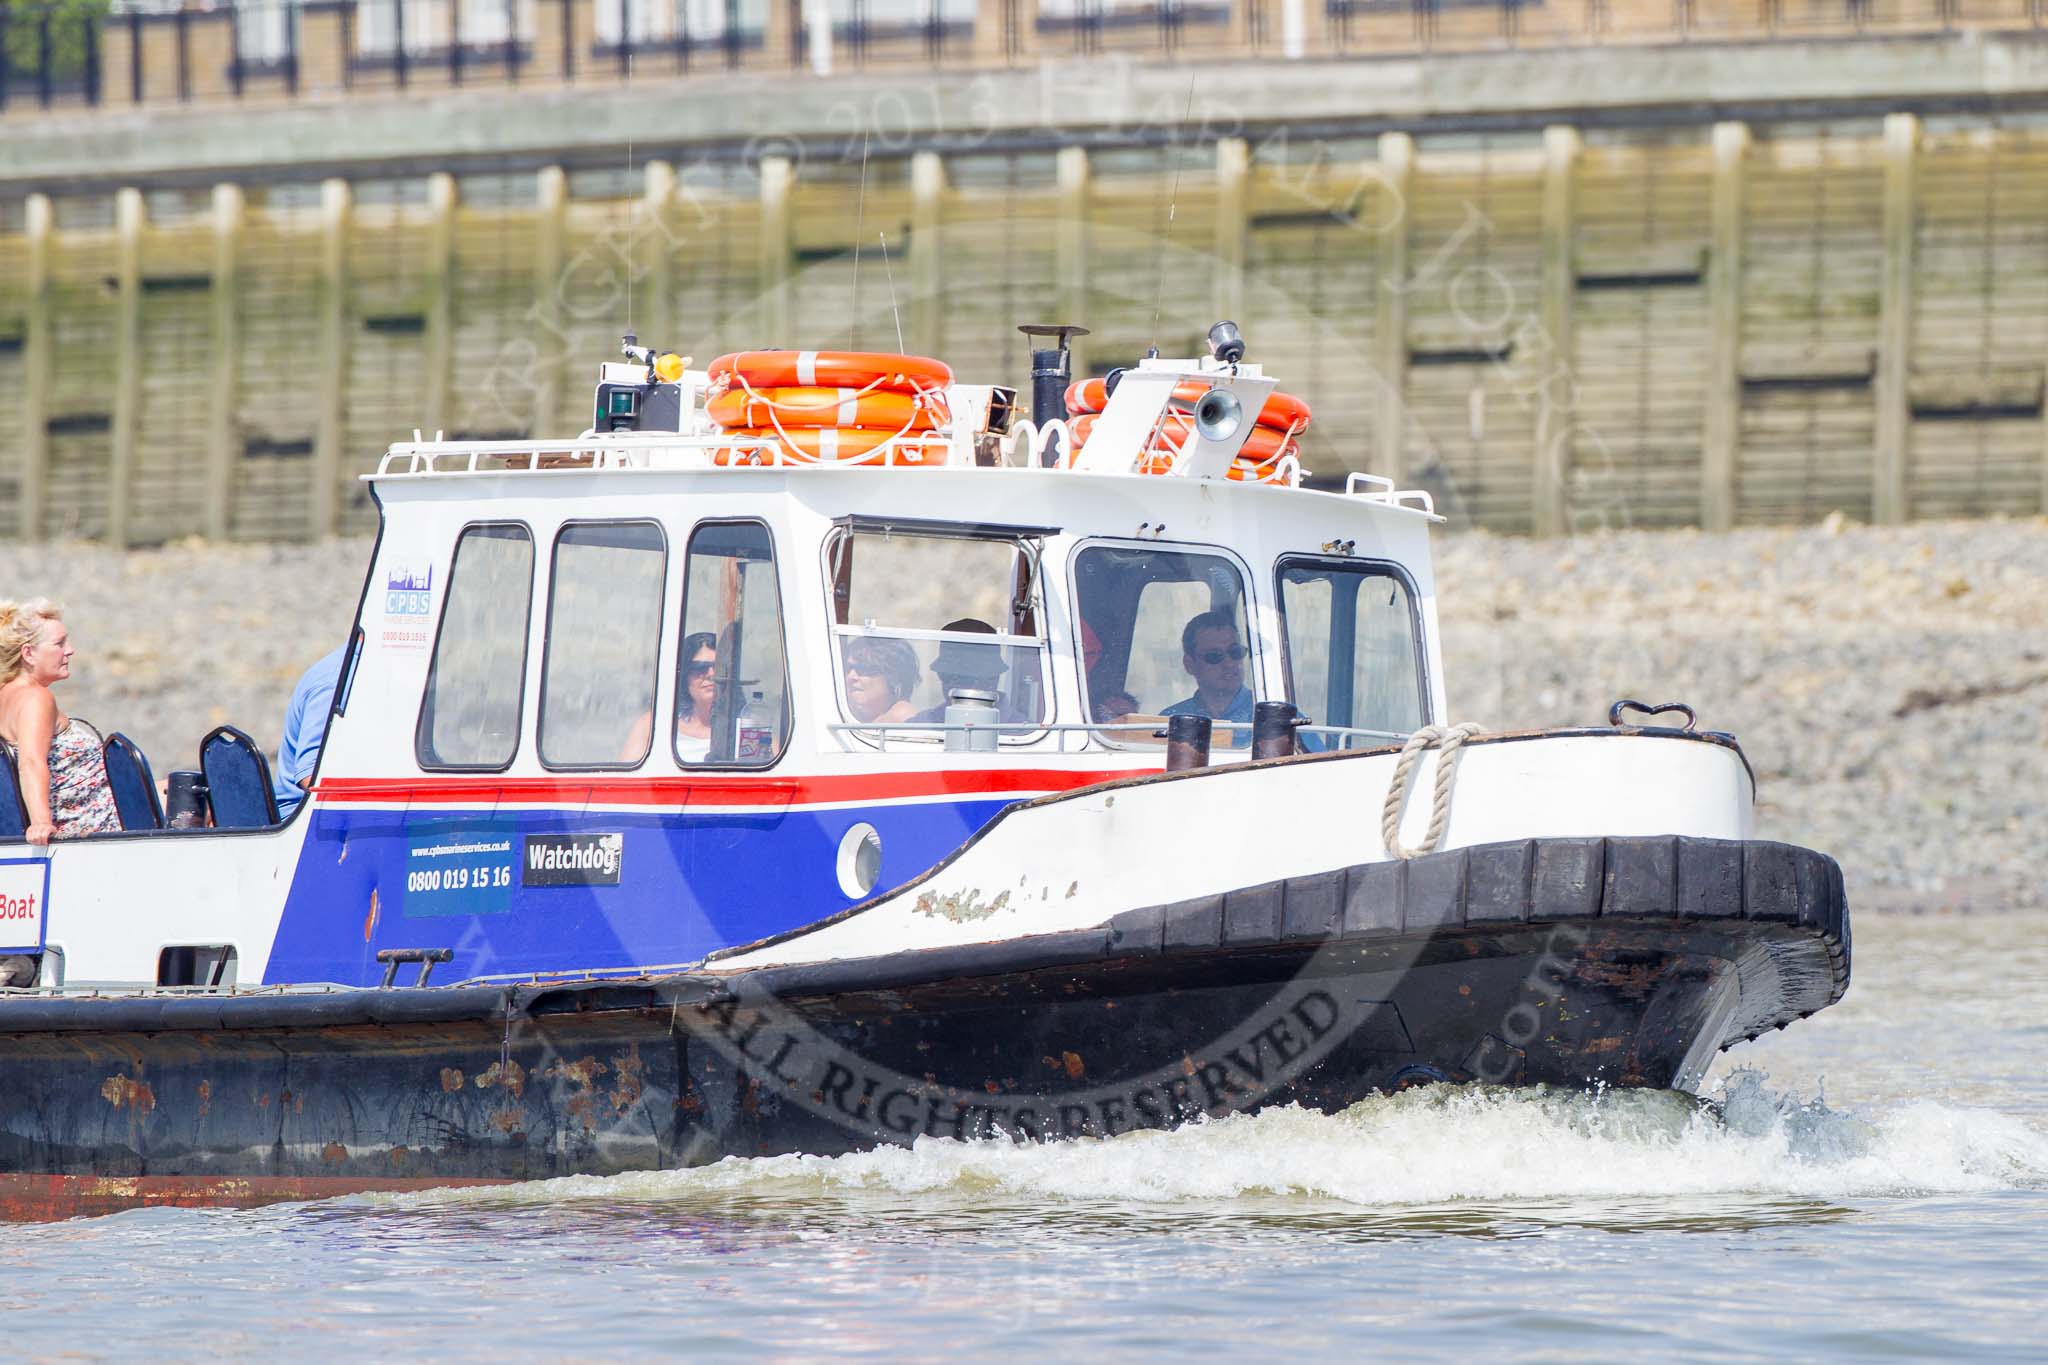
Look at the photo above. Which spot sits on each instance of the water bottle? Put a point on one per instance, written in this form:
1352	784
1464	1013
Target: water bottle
755	732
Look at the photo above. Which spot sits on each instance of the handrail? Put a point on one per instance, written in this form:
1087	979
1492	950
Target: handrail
1374	488
658	450
1086	729
1346	731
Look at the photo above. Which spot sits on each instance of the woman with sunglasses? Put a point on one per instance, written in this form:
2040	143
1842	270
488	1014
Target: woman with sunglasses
695	691
695	696
881	673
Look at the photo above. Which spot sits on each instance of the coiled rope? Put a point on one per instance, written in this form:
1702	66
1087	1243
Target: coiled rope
1452	738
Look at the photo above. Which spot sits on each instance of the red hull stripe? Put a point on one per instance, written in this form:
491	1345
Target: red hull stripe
721	790
46	1198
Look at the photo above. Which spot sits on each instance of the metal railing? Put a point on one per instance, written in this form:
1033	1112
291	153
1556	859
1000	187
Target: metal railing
50	52
72	53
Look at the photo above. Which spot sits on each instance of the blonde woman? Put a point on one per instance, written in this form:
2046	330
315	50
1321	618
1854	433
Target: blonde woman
58	758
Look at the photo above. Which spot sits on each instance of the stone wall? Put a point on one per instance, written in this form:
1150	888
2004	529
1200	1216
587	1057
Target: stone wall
1550	328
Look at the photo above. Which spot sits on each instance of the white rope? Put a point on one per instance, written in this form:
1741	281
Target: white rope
1452	738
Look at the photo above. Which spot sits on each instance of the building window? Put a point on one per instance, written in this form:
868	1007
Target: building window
920	617
732	678
381	24
1164	633
603	643
1352	646
469	717
649	23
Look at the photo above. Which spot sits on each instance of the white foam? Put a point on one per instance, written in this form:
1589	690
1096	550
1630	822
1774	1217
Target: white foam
1432	1145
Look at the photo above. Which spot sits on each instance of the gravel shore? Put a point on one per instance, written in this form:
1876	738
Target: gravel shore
1888	685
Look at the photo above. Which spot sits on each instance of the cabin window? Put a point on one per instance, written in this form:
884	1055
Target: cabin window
732	683
1352	646
469	717
919	616
604	636
1163	633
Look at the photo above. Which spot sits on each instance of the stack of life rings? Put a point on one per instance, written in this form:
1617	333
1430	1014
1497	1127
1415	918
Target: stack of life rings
831	407
1269	455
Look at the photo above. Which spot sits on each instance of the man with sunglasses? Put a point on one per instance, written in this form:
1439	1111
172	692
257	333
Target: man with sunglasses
1211	654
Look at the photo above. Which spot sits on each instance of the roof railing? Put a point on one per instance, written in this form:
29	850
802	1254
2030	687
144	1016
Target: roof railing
667	450
1373	488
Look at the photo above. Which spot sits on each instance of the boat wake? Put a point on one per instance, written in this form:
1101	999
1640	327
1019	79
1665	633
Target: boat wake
1429	1146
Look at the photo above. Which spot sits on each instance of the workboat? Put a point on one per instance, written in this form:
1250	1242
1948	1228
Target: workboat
816	753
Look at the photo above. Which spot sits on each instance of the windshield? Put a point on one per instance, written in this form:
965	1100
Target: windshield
1352	647
1163	633
920	618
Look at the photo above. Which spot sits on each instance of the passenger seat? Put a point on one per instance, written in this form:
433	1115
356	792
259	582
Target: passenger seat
13	810
134	786
237	780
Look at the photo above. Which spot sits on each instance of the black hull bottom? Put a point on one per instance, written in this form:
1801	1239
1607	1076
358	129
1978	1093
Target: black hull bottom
1207	1008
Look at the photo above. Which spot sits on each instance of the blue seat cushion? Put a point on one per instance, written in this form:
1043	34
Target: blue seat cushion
133	784
13	813
237	780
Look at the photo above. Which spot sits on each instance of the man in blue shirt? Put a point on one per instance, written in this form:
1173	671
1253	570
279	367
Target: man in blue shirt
305	727
1211	654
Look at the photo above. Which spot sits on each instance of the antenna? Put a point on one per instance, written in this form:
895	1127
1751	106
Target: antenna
860	218
1172	205
633	232
892	293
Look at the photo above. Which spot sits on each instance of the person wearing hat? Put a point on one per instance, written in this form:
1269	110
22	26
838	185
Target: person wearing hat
960	665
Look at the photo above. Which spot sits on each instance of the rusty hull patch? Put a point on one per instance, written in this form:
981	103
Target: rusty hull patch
631	1072
507	1073
125	1092
583	1074
962	907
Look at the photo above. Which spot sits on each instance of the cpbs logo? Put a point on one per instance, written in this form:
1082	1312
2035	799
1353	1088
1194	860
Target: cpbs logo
409	593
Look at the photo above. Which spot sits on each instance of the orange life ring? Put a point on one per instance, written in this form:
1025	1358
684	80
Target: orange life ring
829	445
881	409
1258	459
831	370
1262	445
1282	411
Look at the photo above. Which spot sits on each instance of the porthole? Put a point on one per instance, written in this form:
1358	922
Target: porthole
860	861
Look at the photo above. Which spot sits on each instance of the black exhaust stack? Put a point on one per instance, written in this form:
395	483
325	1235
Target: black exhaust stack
1051	371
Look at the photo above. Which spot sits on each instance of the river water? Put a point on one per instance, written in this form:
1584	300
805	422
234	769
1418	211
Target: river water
1873	1181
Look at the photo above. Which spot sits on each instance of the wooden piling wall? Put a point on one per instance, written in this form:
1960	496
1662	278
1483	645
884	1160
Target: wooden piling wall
1550	329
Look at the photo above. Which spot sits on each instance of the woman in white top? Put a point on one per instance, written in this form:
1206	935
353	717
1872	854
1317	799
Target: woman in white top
694	697
695	691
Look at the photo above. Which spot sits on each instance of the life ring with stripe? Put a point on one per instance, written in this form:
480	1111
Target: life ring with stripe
830	445
820	407
1281	411
1262	458
829	369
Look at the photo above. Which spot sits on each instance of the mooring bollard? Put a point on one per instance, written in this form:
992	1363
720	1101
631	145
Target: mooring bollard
185	801
975	707
1273	725
1187	743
